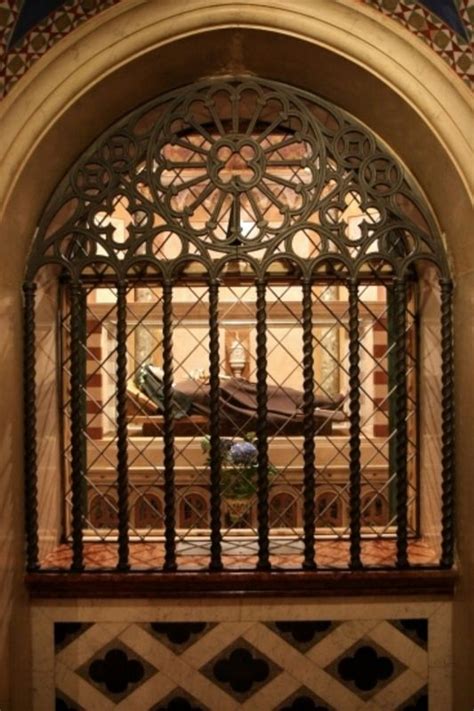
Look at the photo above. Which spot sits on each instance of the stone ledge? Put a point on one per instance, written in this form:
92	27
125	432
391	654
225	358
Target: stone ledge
322	583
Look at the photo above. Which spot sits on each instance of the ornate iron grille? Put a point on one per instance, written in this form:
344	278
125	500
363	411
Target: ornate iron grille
238	269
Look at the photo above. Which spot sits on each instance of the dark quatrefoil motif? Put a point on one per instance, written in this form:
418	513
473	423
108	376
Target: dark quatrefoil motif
241	670
236	164
116	671
366	668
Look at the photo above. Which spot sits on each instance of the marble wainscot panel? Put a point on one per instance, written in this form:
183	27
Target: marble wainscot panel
296	655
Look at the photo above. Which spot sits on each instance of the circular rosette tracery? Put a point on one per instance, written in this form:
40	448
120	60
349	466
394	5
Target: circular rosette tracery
239	166
236	166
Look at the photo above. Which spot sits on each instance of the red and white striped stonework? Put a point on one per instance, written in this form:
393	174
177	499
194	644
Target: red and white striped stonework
94	380
380	378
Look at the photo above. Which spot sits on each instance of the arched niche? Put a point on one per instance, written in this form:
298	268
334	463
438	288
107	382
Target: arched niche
363	60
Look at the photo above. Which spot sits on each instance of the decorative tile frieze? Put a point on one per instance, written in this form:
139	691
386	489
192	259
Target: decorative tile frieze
56	21
454	47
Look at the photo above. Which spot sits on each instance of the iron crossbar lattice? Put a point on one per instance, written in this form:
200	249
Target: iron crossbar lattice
239	206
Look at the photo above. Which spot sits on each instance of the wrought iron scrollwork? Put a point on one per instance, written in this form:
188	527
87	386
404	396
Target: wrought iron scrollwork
173	170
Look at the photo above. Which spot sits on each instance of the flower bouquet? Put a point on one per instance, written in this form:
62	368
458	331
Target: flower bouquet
238	474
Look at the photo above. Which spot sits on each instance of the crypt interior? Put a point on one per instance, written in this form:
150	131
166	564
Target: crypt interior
237	303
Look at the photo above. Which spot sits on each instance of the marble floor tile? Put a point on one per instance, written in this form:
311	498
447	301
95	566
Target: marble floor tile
329	555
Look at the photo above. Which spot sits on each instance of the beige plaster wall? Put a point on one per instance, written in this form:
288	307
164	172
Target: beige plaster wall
50	487
464	599
430	406
345	52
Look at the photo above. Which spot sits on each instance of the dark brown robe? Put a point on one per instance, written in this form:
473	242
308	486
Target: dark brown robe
238	406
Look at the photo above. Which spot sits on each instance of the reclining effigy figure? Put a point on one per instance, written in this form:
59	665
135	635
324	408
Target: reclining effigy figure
238	402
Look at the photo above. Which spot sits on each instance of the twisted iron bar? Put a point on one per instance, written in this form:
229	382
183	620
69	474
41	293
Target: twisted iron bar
168	431
215	450
447	425
354	427
122	430
309	430
262	442
77	424
400	294
29	427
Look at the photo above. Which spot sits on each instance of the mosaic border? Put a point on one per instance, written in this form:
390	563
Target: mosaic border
16	61
451	47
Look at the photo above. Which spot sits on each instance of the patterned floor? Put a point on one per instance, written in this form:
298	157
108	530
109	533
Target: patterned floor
329	554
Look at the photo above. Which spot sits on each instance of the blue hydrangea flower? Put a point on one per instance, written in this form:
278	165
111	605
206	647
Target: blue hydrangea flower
243	453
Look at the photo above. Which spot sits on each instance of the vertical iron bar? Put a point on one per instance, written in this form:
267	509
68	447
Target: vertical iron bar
77	424
168	431
354	427
122	431
29	428
215	454
447	424
392	397
400	294
309	429
416	325
60	383
262	443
